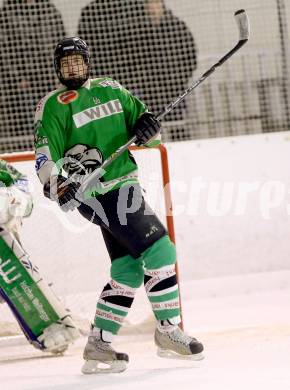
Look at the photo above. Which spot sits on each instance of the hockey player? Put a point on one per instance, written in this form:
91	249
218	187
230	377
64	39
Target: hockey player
45	322
77	127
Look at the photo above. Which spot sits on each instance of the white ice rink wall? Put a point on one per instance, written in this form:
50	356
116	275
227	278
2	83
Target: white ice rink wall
232	203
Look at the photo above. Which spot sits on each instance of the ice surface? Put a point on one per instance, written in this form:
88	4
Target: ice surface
246	338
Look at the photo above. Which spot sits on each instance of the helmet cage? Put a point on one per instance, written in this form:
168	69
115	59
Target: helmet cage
69	46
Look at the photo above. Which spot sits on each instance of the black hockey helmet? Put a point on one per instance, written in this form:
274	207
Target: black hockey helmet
67	46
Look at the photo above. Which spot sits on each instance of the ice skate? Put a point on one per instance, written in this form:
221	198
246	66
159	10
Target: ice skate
100	357
173	343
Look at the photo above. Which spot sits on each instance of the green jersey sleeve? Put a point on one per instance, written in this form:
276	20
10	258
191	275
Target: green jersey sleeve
133	109
49	136
49	130
132	106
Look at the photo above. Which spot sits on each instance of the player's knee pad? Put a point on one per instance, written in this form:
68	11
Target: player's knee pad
160	254
128	271
14	205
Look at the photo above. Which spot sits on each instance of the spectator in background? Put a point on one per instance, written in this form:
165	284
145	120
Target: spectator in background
106	26
167	53
97	26
28	32
147	48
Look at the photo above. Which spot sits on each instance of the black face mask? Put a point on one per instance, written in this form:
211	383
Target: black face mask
79	78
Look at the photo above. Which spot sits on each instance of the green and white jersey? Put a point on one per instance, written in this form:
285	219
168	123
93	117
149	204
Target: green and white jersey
78	129
10	176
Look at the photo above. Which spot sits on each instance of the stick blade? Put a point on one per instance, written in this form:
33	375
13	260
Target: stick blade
243	24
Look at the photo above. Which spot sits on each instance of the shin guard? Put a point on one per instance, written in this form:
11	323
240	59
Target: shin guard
45	322
160	279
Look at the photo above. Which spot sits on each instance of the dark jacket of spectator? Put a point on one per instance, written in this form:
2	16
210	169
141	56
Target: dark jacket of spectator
29	31
166	56
106	26
154	60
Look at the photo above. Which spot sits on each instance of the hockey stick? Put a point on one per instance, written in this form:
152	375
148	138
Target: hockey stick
244	32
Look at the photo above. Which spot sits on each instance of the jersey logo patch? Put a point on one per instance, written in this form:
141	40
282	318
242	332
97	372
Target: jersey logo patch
67	97
40	160
112	107
111	83
82	159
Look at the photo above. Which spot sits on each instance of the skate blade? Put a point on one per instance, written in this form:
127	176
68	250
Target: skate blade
97	367
167	354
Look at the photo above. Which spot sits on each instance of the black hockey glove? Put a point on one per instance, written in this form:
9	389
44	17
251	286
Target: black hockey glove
63	191
145	128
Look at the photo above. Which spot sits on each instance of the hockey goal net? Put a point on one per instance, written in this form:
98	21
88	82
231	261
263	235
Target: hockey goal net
69	250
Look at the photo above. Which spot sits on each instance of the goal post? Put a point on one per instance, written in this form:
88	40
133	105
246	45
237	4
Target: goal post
69	251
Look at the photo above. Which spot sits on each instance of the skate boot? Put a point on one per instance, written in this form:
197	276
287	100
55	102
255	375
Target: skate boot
100	357
173	343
